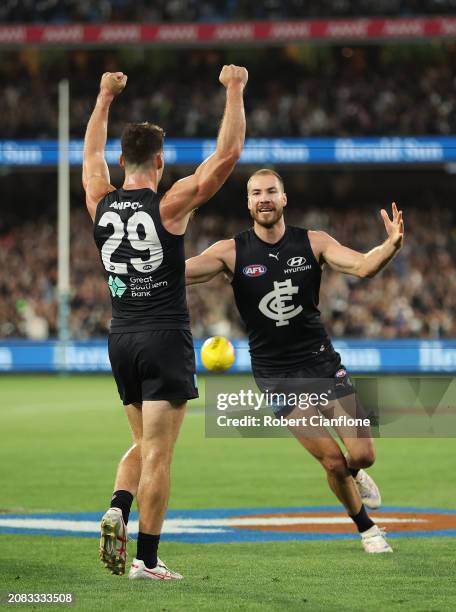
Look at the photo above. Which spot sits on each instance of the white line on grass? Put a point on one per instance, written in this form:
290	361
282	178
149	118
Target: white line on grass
183	525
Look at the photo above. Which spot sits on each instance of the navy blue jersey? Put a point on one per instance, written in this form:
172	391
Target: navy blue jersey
276	288
144	264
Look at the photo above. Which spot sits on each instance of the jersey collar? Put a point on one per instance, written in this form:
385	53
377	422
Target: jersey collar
271	245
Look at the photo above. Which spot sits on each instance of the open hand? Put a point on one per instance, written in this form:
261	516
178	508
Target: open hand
113	83
395	227
233	74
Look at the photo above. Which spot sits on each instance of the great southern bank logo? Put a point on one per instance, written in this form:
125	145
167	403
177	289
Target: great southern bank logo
254	270
117	286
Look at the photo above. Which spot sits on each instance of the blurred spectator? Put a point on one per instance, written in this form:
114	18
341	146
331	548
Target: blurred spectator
63	11
293	91
414	297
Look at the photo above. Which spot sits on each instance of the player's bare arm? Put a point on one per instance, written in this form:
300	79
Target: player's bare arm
191	192
219	257
364	265
95	171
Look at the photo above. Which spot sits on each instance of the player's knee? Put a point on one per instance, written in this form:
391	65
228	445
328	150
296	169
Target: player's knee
368	459
363	458
334	465
156	457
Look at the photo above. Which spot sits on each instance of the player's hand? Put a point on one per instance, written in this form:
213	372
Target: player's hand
233	74
395	227
113	83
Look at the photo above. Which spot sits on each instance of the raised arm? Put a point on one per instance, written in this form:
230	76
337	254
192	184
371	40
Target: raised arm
190	192
95	172
364	265
219	257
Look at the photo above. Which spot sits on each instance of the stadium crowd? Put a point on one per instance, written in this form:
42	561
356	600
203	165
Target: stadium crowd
64	11
414	297
292	91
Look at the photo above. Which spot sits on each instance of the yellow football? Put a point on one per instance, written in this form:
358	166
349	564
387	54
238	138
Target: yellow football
217	354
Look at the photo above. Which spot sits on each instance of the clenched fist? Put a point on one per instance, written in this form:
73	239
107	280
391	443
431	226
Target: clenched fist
113	83
233	74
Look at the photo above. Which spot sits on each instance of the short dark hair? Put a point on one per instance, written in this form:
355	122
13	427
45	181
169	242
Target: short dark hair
263	172
140	142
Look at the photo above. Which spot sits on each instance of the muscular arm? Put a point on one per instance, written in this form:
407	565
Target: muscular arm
191	192
220	257
95	172
364	265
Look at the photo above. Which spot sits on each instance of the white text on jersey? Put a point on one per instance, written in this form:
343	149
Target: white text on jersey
124	205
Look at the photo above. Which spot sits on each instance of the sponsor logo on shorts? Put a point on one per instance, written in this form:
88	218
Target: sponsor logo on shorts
254	270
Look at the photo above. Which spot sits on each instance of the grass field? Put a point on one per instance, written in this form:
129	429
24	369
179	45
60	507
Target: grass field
61	440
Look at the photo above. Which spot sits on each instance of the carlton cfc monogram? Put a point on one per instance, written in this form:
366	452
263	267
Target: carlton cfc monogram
273	304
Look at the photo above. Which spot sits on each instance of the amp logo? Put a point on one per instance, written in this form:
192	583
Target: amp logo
254	270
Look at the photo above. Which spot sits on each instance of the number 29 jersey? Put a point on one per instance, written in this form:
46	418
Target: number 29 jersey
144	263
276	288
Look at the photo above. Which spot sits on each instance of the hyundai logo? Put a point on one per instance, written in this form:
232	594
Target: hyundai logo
294	262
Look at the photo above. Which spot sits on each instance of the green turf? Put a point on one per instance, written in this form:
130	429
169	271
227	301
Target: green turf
294	576
62	438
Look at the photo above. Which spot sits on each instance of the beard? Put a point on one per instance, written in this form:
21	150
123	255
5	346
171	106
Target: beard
268	220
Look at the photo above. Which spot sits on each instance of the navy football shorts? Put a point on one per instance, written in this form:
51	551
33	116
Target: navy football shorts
153	365
326	378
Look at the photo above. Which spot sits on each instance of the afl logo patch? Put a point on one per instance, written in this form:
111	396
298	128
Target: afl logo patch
294	262
341	373
254	270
